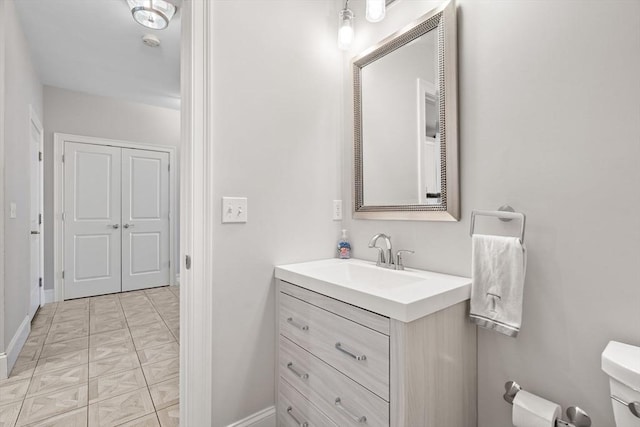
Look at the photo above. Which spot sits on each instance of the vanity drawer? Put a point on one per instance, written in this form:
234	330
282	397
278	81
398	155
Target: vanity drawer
370	320
323	385
296	411
360	353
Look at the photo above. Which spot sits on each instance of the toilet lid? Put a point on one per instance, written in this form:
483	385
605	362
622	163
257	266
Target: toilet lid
622	362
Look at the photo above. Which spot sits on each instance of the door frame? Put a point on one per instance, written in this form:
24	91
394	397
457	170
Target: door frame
58	200
3	356
198	208
35	121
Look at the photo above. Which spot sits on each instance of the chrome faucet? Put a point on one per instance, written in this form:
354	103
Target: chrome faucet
399	262
385	257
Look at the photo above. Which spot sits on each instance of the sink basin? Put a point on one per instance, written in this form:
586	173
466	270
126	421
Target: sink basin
402	295
355	273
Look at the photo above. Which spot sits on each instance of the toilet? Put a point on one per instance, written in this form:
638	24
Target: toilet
622	363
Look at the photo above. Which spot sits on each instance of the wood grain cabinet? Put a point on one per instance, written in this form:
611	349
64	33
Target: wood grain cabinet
341	365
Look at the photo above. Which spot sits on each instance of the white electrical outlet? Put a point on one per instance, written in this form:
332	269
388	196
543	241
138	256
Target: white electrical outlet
337	210
234	209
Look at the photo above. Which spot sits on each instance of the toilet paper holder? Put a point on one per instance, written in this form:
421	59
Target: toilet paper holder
577	417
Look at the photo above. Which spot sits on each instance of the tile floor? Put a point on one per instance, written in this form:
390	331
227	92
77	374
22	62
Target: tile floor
110	360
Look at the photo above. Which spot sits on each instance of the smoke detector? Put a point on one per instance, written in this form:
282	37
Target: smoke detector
151	40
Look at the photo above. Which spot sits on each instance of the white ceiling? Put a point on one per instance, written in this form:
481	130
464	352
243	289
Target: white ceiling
95	46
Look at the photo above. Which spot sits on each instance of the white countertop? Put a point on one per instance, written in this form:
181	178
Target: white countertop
403	295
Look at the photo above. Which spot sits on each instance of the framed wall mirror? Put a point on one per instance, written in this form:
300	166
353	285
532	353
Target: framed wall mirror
406	124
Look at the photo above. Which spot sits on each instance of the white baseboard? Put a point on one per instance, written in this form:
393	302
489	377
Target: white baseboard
8	359
49	296
3	367
264	418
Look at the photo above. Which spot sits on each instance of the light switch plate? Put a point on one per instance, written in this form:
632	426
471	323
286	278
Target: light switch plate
13	210
234	209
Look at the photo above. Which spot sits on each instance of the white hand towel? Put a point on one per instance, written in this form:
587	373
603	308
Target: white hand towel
498	267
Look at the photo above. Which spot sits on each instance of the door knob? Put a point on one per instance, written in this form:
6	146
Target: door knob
35	232
127	225
116	226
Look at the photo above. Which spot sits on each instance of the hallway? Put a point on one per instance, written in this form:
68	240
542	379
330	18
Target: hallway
102	361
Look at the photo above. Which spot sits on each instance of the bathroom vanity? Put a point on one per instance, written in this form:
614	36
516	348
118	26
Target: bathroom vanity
363	345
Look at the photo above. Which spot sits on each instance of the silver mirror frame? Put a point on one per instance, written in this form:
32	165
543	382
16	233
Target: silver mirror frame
443	20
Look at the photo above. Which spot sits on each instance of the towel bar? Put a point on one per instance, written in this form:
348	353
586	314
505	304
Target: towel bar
505	213
577	417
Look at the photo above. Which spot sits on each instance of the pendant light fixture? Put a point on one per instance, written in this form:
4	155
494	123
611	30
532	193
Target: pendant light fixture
345	27
376	10
154	14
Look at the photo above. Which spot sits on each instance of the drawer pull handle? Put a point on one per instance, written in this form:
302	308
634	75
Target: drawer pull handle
345	351
297	325
355	418
295	371
301	424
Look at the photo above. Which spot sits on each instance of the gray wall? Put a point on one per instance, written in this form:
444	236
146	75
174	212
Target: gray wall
103	117
276	133
550	123
22	88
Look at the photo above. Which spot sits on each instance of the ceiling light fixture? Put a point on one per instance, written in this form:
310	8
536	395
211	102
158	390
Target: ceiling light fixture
345	27
376	9
154	14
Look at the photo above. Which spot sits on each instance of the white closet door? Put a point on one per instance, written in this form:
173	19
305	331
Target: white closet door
92	241
145	219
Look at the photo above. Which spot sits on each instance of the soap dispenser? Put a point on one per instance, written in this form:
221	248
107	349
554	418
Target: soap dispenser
344	247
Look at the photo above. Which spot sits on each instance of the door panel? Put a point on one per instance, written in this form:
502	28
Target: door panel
93	186
145	252
92	248
145	210
92	256
145	182
35	211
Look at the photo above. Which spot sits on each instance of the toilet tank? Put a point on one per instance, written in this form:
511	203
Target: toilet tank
622	363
